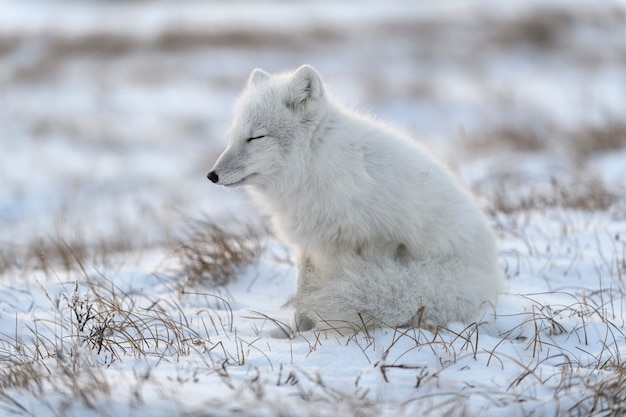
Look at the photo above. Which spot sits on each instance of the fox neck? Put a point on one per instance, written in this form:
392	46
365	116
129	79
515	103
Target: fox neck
310	190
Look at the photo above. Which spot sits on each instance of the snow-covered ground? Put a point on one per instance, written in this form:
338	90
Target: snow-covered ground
112	113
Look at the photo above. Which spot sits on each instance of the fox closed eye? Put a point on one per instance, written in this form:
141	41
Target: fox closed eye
254	138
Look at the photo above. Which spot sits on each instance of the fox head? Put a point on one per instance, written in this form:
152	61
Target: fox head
274	119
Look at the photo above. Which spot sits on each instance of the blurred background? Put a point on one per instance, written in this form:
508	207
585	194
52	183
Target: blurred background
112	112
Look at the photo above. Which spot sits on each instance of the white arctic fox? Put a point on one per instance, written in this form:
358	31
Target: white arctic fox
383	233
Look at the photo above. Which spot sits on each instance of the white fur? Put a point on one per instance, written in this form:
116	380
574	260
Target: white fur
383	232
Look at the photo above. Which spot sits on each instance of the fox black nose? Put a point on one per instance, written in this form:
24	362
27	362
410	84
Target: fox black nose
213	177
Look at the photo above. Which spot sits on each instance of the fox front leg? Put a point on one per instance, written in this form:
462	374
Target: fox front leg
306	278
306	274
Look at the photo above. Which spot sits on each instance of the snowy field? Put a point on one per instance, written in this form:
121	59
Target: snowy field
132	286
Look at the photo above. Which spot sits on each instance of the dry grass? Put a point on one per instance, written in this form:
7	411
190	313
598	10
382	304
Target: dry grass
94	326
593	140
582	190
543	321
587	192
212	256
607	395
603	379
106	45
543	29
8	258
83	352
55	254
511	138
579	145
71	244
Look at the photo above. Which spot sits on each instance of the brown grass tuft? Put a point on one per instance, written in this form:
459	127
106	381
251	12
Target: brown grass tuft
607	398
50	253
508	138
16	373
210	255
541	29
598	139
578	144
8	258
584	192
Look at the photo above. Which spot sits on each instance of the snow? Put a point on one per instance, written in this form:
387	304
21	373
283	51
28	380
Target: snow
112	113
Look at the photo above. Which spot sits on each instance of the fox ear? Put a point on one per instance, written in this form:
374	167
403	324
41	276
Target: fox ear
257	76
305	86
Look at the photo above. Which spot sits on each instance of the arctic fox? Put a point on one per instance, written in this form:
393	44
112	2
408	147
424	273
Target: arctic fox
383	233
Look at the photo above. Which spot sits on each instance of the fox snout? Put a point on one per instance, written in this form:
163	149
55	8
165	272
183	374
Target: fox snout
213	177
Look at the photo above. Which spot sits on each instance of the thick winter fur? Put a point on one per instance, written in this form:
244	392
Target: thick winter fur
383	233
